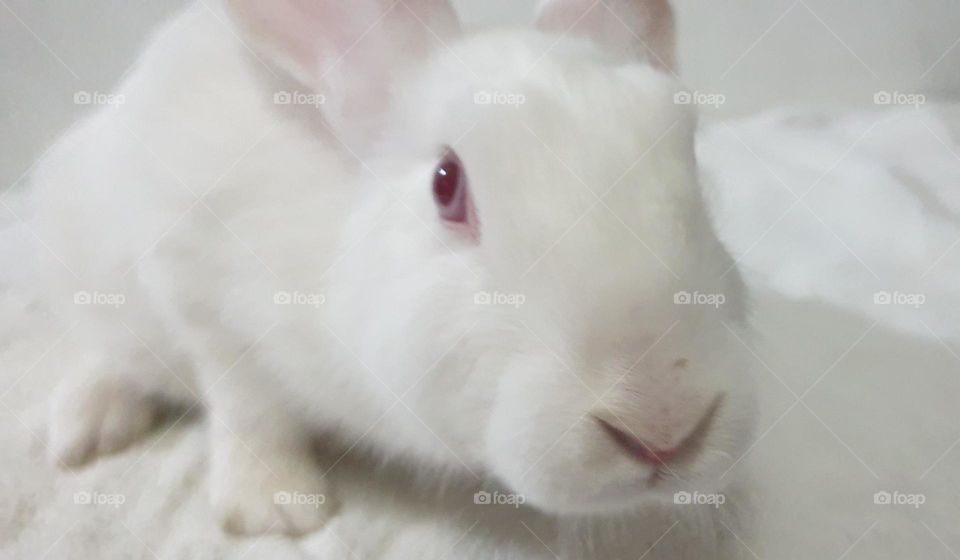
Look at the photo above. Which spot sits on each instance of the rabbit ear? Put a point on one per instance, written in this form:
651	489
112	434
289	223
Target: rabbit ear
632	28
350	51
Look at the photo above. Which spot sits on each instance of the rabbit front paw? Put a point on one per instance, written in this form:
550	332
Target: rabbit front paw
97	417
270	493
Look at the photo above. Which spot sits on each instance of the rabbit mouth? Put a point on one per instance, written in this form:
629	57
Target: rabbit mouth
664	460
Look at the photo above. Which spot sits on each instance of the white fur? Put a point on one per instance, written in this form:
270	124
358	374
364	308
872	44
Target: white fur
199	200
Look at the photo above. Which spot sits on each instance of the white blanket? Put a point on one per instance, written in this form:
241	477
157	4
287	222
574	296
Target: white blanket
848	229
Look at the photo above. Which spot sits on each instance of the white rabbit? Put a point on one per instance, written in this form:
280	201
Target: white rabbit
344	222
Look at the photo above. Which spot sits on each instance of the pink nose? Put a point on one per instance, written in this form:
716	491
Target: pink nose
637	448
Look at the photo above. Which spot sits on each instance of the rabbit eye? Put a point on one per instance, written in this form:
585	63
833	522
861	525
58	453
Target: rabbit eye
450	189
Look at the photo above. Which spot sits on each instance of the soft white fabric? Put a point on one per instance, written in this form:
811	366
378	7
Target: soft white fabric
877	382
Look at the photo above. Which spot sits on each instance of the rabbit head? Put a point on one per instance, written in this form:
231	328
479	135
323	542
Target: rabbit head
531	267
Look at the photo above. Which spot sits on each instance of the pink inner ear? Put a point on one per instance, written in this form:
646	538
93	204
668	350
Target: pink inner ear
641	29
297	29
317	33
353	51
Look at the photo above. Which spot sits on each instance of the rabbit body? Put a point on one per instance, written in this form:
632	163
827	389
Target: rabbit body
239	236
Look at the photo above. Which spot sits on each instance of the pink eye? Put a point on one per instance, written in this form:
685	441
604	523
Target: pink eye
450	189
